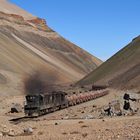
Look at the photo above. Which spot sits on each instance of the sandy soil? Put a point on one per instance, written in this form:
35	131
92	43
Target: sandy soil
71	123
122	128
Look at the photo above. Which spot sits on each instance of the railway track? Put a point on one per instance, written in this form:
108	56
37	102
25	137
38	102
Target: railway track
25	119
73	102
22	119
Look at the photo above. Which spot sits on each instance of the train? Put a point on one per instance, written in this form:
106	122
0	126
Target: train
40	104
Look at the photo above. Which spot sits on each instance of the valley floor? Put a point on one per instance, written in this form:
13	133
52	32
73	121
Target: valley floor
81	122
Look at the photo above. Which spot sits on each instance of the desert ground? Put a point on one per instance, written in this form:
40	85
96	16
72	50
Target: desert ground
28	45
83	121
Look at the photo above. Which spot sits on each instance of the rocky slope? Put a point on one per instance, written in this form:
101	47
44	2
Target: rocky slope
121	71
7	7
27	44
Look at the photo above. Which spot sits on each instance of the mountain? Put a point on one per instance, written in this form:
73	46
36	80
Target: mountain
120	71
9	8
27	44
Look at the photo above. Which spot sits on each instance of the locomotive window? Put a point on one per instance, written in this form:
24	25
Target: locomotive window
30	98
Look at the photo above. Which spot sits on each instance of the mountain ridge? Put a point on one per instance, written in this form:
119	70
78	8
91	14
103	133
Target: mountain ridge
123	65
28	45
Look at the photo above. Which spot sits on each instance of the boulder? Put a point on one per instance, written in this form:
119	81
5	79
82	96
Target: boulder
11	133
16	108
28	130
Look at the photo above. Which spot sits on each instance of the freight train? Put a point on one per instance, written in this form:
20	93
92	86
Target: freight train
39	104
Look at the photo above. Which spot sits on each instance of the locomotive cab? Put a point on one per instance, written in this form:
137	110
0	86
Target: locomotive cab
32	104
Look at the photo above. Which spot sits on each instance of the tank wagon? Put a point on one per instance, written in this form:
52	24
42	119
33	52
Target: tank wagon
40	104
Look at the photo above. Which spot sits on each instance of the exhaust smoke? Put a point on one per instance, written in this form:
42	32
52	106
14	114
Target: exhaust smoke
40	82
34	84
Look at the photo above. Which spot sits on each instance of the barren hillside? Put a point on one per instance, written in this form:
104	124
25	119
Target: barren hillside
121	71
7	7
28	44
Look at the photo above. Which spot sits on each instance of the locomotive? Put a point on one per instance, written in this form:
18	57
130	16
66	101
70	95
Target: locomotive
39	104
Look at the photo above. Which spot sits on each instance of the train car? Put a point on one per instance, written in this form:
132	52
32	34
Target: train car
40	104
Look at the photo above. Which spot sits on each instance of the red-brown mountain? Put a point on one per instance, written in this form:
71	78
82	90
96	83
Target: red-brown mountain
27	44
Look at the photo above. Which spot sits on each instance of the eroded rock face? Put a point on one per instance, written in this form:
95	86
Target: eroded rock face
37	23
40	23
14	16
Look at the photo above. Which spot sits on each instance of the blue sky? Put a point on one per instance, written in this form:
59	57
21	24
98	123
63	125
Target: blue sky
102	27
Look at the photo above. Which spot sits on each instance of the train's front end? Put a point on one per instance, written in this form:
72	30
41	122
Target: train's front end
32	105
